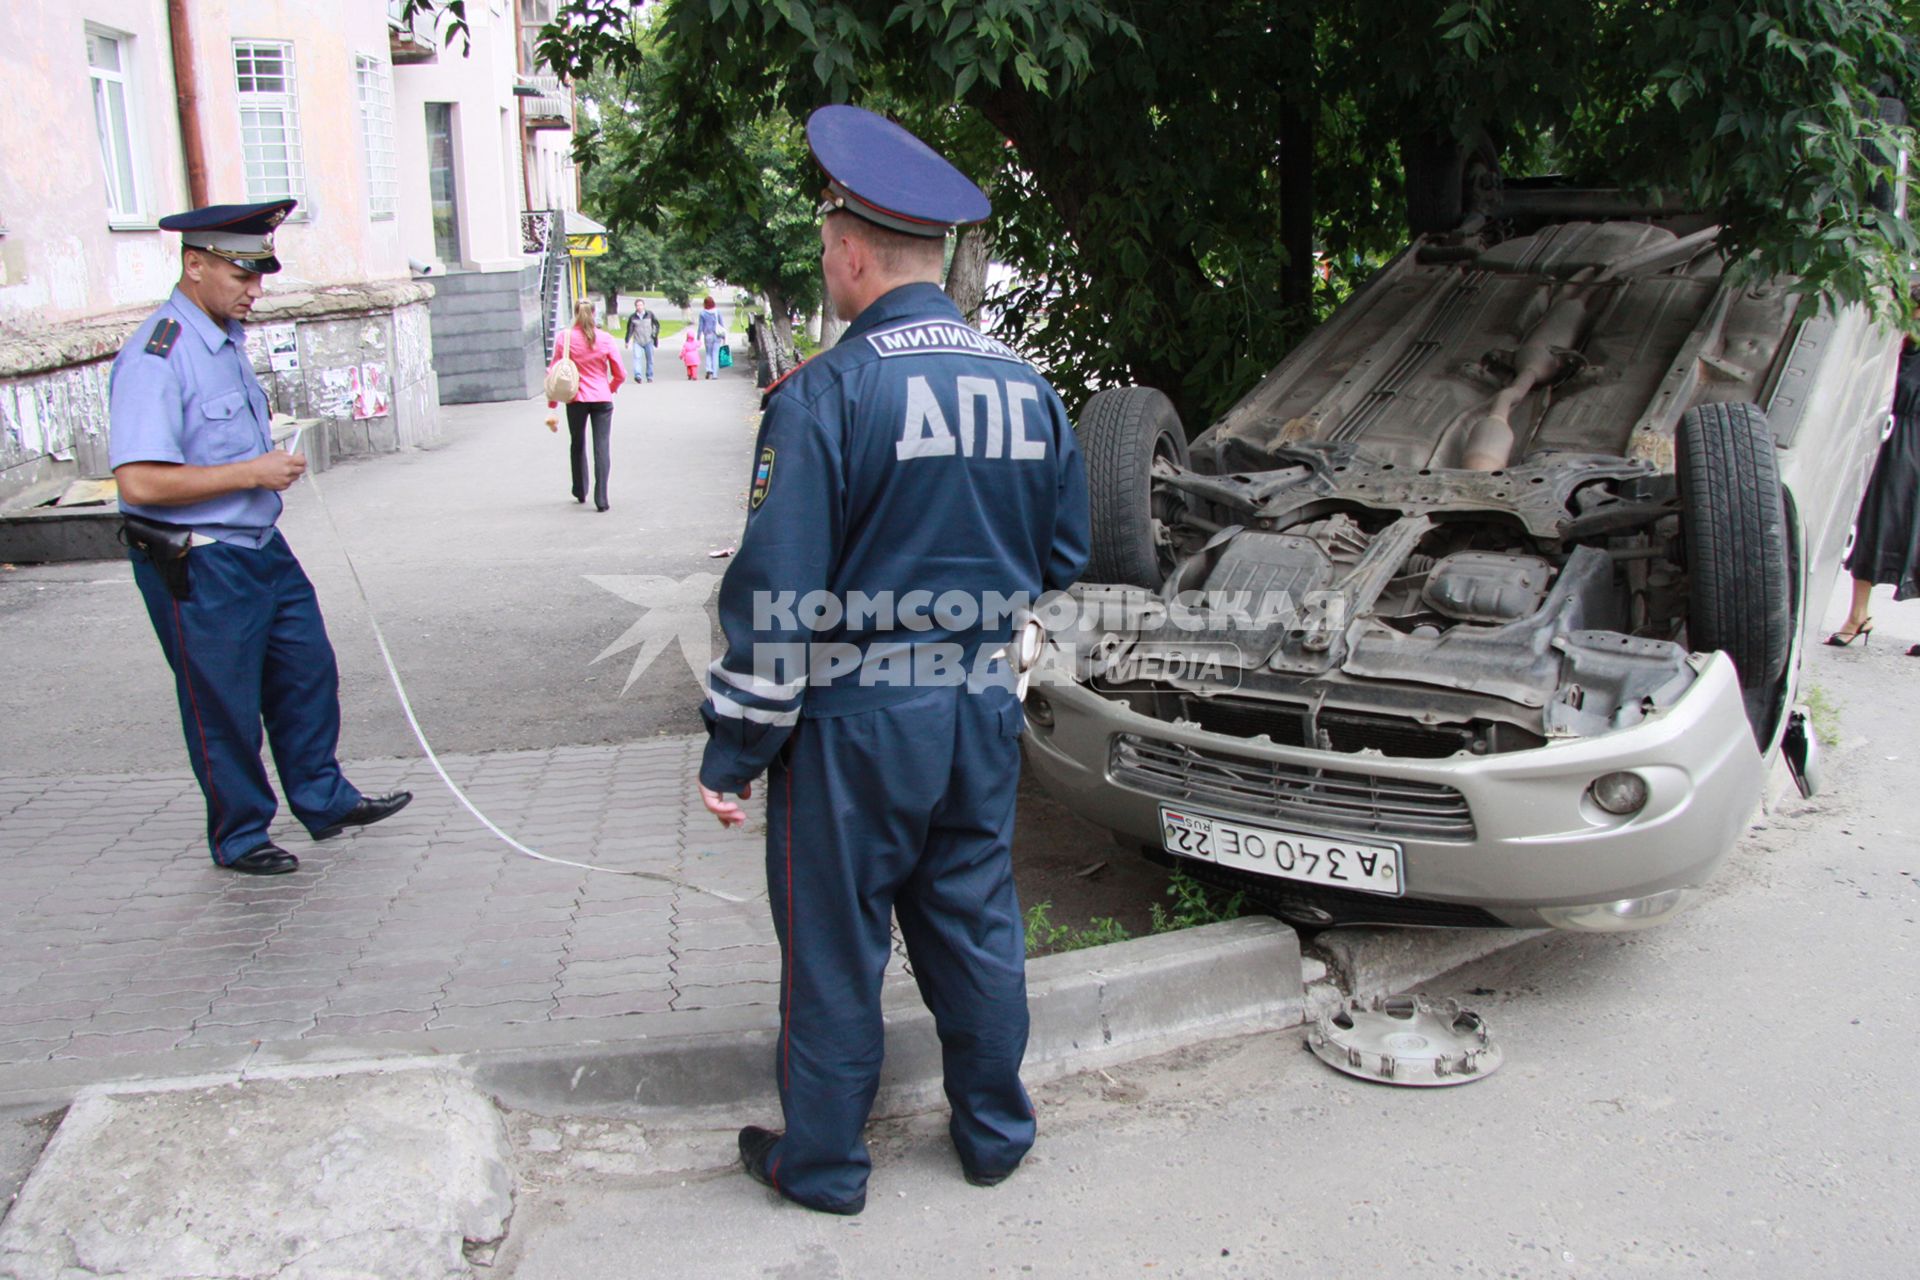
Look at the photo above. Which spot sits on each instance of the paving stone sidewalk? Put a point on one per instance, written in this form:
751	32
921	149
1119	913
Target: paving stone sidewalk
122	938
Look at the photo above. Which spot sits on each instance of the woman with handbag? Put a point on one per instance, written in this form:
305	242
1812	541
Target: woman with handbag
595	357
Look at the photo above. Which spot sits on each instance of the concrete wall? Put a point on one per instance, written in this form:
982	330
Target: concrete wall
487	339
54	393
379	330
53	428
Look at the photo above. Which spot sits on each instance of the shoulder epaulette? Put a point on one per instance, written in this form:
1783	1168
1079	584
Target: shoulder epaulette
164	335
774	386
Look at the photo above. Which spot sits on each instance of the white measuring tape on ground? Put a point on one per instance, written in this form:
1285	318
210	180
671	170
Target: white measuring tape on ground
420	736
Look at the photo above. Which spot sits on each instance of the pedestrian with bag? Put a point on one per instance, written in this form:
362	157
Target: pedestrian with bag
596	359
192	451
916	458
643	335
711	329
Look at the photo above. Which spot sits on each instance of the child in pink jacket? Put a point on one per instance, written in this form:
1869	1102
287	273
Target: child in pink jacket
690	353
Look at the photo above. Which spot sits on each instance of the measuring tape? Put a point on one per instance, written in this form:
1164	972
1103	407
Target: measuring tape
420	736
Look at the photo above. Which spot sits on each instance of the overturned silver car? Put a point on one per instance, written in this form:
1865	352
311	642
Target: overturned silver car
1487	605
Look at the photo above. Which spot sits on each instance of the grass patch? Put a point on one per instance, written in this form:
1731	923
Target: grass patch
1824	712
1194	904
1044	937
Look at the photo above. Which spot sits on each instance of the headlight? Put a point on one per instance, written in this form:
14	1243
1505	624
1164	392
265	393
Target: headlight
1619	793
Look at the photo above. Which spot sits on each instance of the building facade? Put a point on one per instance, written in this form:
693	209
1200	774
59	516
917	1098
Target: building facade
484	163
414	165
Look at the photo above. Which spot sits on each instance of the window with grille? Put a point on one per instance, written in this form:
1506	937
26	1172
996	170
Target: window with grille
269	119
108	63
373	81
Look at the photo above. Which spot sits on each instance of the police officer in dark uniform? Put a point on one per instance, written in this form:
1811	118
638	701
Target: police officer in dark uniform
200	488
907	484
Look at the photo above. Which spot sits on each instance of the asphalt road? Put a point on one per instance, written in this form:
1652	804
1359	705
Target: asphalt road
1728	1095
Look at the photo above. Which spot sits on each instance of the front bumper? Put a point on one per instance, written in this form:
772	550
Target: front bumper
1535	849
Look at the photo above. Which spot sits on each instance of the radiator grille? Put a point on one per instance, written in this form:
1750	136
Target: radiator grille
1289	794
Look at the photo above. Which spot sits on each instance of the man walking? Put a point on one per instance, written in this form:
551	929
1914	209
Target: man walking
914	461
200	488
643	335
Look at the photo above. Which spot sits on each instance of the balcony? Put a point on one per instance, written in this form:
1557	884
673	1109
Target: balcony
545	102
405	45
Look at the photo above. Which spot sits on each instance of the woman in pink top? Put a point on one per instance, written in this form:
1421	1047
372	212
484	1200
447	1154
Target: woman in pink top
597	356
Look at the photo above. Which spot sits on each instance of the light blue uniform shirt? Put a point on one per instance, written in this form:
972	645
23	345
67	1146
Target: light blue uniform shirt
198	404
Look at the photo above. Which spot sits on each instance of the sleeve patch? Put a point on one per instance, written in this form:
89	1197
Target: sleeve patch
165	334
762	479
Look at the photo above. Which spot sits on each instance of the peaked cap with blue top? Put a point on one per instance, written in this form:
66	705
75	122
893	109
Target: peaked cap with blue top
240	233
878	171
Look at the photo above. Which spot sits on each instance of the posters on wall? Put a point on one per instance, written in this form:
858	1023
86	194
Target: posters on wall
370	389
338	392
283	348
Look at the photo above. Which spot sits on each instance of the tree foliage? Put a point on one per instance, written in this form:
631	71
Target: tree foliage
736	206
1163	174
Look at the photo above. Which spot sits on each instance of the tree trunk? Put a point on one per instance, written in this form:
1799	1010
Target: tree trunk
967	275
784	356
1296	205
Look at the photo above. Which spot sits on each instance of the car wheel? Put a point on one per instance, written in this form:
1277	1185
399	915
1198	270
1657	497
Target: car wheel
1734	531
1125	433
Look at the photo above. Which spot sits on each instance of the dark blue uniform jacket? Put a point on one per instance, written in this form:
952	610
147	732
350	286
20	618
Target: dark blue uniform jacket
909	485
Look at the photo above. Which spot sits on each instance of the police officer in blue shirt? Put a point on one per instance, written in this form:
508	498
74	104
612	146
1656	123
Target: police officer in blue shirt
200	491
909	484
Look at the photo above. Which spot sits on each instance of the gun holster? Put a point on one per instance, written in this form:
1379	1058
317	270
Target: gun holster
165	545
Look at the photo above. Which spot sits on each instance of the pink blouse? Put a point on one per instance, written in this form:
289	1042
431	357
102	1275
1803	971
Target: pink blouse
601	371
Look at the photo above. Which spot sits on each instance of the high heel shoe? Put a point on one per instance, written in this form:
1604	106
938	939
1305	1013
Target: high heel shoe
1842	638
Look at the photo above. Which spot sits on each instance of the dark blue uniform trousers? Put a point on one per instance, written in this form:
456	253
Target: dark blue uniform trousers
249	647
908	810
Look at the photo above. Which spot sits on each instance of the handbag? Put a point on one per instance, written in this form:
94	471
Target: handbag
563	380
726	357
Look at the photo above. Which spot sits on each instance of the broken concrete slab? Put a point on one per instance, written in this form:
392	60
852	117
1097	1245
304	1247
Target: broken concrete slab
388	1175
1384	962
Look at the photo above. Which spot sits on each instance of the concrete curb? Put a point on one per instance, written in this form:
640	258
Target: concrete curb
1090	1008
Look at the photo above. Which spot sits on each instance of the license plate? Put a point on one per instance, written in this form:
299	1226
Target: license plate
1287	855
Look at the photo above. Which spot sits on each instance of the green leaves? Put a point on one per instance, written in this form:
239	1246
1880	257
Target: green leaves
1135	154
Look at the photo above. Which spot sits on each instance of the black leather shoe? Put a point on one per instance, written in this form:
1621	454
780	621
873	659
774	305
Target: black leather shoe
370	810
755	1144
267	860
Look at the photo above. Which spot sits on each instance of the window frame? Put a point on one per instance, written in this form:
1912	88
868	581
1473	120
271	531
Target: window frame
379	162
140	216
286	101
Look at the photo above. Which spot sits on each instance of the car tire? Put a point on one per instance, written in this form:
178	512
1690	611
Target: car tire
1122	432
1734	531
